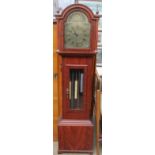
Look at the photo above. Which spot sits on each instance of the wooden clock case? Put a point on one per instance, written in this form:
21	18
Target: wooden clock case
75	127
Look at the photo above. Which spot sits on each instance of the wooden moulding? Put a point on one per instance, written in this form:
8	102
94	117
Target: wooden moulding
73	151
76	53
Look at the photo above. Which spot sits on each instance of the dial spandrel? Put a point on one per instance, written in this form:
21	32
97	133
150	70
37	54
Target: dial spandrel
77	31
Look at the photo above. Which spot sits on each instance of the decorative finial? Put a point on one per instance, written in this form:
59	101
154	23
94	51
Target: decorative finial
76	2
58	11
97	11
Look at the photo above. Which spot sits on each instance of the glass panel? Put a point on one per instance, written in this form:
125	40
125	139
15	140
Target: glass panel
77	31
76	88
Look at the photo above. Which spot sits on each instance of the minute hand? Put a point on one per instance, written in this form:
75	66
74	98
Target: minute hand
76	34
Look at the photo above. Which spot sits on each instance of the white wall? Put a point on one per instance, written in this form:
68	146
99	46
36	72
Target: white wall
26	77
129	77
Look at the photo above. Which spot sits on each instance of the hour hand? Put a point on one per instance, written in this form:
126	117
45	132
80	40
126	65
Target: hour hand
76	34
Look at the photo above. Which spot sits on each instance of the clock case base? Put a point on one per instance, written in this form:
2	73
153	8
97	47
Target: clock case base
75	136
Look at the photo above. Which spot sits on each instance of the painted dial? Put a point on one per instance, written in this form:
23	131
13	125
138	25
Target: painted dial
77	31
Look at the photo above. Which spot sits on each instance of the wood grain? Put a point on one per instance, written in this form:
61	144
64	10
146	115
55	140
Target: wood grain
55	83
75	135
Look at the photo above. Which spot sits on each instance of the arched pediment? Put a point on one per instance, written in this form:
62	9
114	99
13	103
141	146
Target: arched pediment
64	14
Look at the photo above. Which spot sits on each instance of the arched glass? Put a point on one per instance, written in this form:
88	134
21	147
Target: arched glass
77	31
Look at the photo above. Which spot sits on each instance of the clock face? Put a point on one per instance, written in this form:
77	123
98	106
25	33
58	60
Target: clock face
77	31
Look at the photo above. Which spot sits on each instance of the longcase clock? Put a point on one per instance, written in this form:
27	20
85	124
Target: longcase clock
77	44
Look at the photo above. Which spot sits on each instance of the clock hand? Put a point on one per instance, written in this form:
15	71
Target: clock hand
74	32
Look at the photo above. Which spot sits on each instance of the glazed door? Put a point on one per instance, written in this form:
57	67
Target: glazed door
75	91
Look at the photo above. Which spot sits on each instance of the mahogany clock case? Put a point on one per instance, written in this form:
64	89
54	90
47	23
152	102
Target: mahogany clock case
75	128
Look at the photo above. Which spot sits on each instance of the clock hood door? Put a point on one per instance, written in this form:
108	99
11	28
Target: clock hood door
77	31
